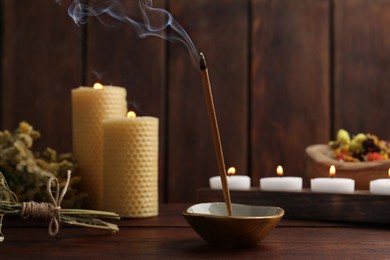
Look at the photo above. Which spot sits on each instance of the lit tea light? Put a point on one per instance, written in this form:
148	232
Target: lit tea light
281	183
332	184
97	85
235	182
381	186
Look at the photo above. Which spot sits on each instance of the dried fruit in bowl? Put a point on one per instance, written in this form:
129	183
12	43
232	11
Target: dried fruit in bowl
359	148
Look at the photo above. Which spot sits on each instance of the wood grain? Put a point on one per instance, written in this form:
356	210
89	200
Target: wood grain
41	62
362	62
289	240
184	243
285	75
360	206
117	56
290	83
219	29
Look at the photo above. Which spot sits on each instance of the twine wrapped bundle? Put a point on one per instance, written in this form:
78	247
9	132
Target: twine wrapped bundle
52	210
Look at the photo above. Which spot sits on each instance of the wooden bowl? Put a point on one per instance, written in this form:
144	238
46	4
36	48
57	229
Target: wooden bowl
320	157
247	227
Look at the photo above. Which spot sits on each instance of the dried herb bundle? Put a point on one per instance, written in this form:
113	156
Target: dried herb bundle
27	172
9	205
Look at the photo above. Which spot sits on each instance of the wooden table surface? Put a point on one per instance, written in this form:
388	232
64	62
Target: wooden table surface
168	236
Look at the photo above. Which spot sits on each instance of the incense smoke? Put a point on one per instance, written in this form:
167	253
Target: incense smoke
155	20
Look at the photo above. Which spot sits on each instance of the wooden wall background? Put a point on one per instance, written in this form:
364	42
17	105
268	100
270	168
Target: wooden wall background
285	74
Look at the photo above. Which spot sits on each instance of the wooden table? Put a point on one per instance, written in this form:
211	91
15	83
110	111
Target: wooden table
168	236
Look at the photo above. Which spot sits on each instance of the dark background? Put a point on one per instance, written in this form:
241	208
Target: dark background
285	74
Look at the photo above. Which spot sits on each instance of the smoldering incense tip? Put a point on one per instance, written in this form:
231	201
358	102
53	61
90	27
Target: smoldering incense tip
202	62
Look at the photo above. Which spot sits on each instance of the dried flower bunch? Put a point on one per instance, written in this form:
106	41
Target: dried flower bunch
27	172
360	147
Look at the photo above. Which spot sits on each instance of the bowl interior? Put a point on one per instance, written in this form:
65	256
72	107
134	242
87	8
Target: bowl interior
216	209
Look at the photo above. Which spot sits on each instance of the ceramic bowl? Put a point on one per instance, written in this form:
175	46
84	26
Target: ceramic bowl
247	226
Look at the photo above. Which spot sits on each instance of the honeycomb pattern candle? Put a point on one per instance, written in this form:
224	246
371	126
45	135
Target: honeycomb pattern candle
90	106
131	166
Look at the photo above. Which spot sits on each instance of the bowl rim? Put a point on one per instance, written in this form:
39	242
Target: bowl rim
281	212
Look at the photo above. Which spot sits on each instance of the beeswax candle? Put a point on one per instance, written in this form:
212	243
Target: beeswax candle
131	166
90	106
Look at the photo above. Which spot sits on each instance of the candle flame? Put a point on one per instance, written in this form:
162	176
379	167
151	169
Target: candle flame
388	173
279	170
97	85
332	171
231	171
131	114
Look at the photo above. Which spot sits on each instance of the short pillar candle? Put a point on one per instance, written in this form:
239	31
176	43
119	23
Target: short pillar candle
131	166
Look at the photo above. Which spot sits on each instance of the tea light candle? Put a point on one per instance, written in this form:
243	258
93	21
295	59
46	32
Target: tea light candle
281	183
90	106
380	186
131	166
236	182
332	185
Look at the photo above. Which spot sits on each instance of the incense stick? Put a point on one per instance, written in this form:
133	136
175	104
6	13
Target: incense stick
208	95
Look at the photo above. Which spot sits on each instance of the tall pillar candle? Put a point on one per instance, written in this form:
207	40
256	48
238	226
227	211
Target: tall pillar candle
131	166
90	106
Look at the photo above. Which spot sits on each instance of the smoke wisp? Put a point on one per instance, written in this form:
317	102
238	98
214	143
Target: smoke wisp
153	21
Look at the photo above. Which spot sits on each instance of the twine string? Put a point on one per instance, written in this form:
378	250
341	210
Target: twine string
48	210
